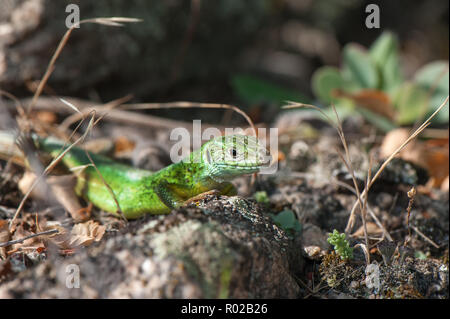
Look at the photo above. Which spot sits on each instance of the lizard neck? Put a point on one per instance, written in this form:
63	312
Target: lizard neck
192	175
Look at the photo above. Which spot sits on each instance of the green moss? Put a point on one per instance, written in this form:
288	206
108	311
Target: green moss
225	279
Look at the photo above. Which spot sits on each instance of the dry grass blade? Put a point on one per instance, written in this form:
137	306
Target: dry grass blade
389	159
81	114
347	161
366	252
119	210
145	106
361	198
413	136
364	211
73	107
17	102
115	115
117	20
372	214
430	92
114	21
425	237
50	167
111	21
296	105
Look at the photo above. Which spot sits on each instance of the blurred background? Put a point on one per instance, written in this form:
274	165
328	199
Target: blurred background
247	53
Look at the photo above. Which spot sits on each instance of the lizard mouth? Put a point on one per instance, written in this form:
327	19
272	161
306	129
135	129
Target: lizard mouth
240	167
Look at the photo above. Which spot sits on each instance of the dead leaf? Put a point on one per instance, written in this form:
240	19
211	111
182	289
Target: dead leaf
24	228
62	191
432	155
372	230
412	152
99	145
46	117
5	268
61	238
84	234
372	100
82	214
445	185
437	160
123	145
26	182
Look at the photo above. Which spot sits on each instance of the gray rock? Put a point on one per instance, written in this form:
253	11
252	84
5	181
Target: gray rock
226	247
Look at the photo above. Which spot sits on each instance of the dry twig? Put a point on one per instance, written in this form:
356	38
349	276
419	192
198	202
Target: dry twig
346	160
49	168
170	105
112	21
18	241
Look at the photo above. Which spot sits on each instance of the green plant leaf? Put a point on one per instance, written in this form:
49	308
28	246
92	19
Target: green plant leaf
384	46
379	121
391	76
254	90
384	53
287	221
261	197
420	255
341	245
361	68
410	101
324	81
433	78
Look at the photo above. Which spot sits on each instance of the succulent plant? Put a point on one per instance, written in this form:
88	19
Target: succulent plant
372	80
341	245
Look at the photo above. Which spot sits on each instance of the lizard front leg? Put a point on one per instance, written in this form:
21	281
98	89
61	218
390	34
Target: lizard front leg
173	196
228	189
169	195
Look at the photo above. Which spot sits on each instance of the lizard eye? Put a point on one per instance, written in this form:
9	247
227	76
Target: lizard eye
233	153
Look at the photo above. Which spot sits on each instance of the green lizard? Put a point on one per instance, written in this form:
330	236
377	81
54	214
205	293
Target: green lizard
139	191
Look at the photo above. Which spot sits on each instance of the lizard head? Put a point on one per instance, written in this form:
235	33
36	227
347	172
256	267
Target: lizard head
233	155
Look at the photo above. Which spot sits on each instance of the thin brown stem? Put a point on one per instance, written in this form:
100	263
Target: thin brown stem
113	21
49	168
18	241
170	105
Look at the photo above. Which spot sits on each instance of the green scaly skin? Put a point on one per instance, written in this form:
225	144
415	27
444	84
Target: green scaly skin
140	192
